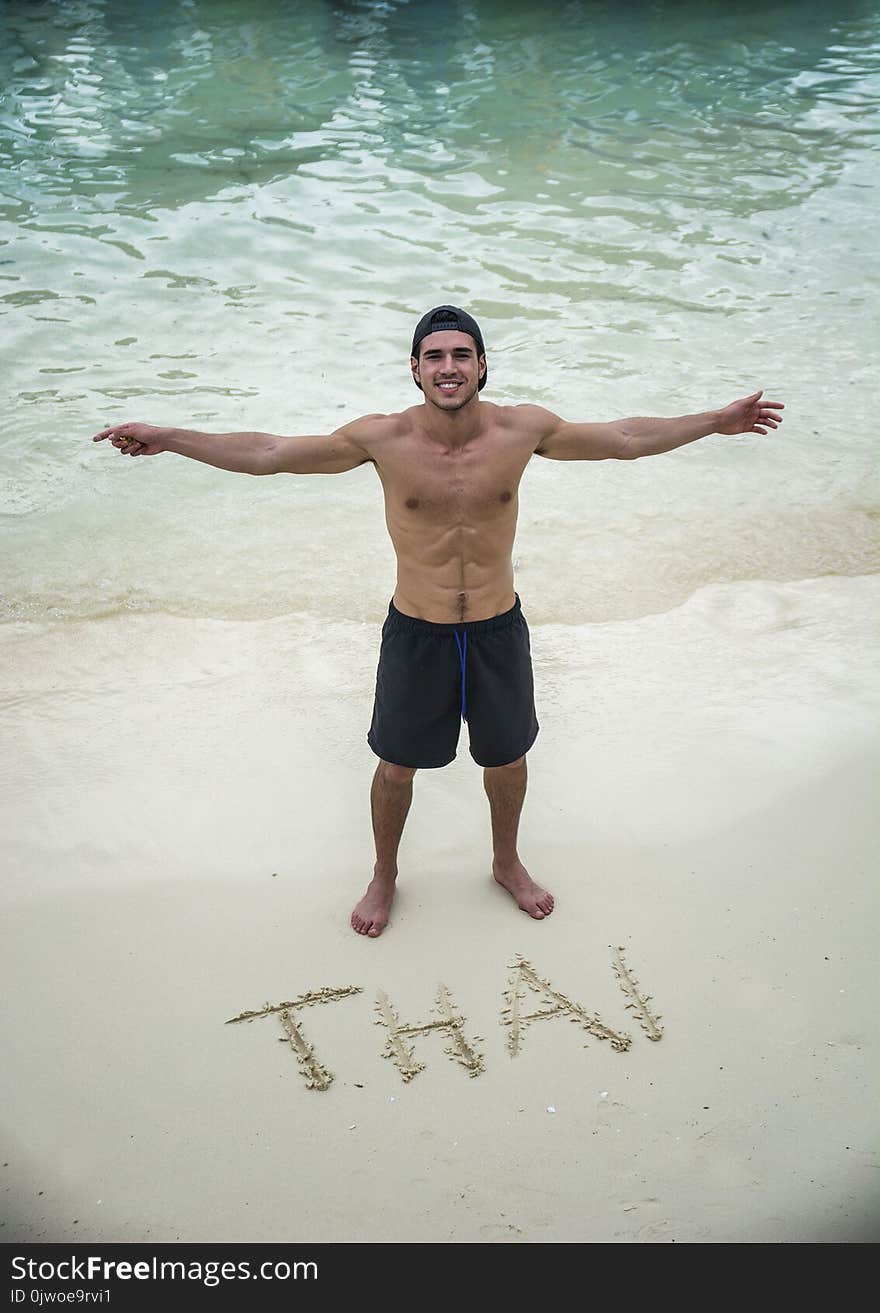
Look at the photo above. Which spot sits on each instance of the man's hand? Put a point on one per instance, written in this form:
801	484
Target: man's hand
751	415
133	439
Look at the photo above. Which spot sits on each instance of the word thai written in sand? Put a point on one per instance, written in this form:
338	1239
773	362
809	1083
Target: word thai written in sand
451	1023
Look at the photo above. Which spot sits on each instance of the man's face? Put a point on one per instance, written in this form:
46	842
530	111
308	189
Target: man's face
448	369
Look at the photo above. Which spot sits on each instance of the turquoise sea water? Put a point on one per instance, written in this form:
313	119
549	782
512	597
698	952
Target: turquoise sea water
226	215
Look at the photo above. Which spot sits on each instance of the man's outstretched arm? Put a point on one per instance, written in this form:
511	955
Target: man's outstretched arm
627	439
248	453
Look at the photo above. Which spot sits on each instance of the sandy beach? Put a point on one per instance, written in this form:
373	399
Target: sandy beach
186	829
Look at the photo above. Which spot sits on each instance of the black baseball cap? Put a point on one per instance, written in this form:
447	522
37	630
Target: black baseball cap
444	319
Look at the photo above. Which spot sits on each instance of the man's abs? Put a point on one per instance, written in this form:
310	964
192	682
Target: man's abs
429	596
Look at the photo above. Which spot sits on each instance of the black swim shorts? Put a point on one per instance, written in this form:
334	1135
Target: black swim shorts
431	677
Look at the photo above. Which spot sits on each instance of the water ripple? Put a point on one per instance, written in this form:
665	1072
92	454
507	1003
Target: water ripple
201	206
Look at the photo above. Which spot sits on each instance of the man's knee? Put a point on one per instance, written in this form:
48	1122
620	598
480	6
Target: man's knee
397	774
510	765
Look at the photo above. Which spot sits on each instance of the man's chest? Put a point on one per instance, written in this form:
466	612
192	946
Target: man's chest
473	483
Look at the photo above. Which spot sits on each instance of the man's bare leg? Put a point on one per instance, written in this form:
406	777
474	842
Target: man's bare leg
506	790
390	798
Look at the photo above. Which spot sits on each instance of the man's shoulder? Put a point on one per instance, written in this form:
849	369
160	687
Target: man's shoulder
373	431
533	423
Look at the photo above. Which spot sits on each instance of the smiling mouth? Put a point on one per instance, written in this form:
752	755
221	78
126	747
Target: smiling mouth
448	386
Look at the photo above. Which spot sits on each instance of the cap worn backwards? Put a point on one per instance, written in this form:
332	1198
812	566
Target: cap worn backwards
444	319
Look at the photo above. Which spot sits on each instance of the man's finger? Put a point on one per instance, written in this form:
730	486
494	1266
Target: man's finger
105	433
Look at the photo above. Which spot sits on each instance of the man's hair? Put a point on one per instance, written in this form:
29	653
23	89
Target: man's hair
444	319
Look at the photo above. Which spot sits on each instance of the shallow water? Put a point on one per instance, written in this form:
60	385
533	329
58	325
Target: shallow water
230	217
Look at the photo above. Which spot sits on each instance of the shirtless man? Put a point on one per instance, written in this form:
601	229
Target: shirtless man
455	644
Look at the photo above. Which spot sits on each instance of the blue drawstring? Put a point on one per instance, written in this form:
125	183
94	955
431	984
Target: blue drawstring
462	652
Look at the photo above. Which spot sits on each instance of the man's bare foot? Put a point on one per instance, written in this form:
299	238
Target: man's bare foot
370	917
529	896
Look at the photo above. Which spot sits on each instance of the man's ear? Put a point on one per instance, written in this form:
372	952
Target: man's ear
414	366
481	365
